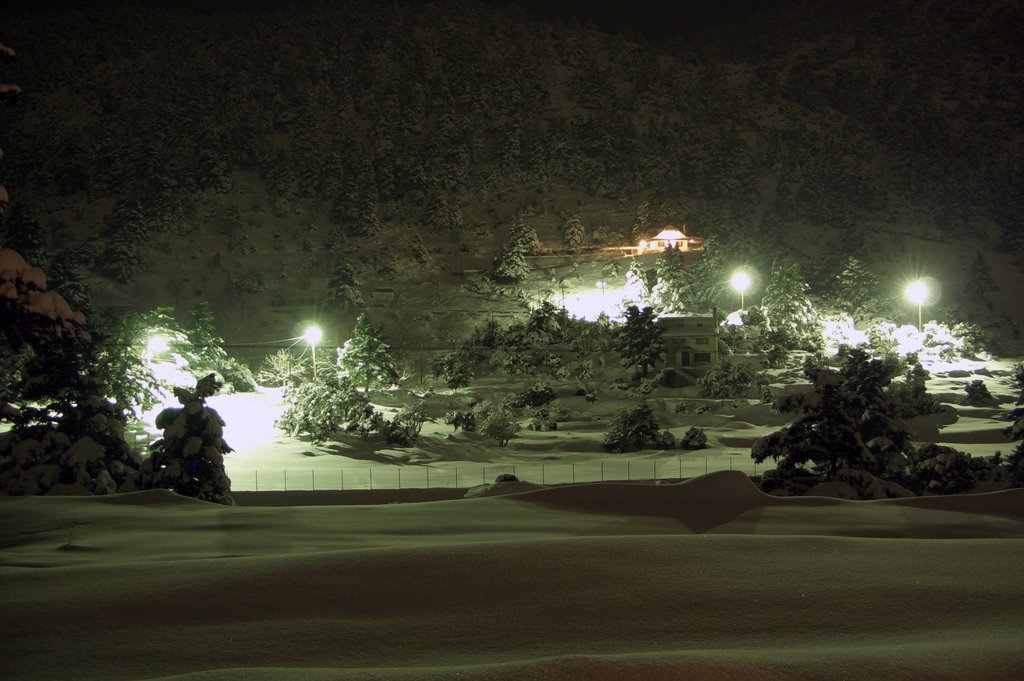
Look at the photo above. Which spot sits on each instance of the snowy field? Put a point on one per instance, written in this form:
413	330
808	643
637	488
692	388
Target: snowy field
267	459
704	579
707	579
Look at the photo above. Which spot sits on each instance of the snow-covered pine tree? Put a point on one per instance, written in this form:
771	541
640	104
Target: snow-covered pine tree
856	289
789	310
573	234
639	339
672	289
189	458
65	437
707	280
343	285
366	358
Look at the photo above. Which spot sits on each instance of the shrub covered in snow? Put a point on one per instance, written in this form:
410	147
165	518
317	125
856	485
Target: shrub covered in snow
632	429
537	395
694	438
189	458
910	396
322	407
728	379
978	393
938	469
497	421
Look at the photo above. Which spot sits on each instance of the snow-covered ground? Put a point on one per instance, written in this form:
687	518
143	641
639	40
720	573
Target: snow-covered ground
707	579
267	459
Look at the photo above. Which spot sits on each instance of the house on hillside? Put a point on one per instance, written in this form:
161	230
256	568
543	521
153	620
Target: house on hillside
670	237
691	342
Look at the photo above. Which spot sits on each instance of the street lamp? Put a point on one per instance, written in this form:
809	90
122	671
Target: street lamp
312	336
740	281
917	293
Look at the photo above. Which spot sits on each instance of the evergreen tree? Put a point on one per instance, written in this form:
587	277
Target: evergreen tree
639	283
673	283
848	420
366	359
789	311
454	368
189	458
707	278
65	436
573	234
639	339
980	279
127	230
343	285
510	265
856	290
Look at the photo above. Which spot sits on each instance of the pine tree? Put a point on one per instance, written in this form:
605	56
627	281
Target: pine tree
573	234
343	285
639	285
672	290
639	339
707	280
980	279
189	458
366	358
789	311
856	289
65	436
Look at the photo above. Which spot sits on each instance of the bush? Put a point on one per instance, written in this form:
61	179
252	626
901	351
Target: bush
321	408
461	419
496	421
543	420
938	469
726	379
281	369
632	429
910	398
695	438
537	395
405	427
978	393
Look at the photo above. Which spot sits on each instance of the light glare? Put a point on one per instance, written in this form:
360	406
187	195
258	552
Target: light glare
916	292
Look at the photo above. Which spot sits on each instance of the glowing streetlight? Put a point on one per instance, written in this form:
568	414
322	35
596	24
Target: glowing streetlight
312	336
917	293
740	281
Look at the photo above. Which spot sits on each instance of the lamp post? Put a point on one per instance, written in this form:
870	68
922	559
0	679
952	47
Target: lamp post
312	336
740	281
917	292
601	285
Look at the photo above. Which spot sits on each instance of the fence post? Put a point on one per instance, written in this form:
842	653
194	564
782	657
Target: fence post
342	479
680	462
286	481
370	468
705	465
574	474
257	481
456	477
543	477
399	478
313	472
602	471
483	475
655	462
627	470
428	477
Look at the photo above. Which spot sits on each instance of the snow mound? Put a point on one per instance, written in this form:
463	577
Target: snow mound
151	497
701	504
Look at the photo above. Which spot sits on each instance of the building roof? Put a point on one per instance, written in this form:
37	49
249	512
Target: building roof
669	234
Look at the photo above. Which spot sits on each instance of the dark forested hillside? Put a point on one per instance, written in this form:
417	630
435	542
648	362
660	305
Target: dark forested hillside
321	132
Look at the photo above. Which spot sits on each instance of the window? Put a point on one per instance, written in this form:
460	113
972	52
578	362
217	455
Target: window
702	340
702	358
